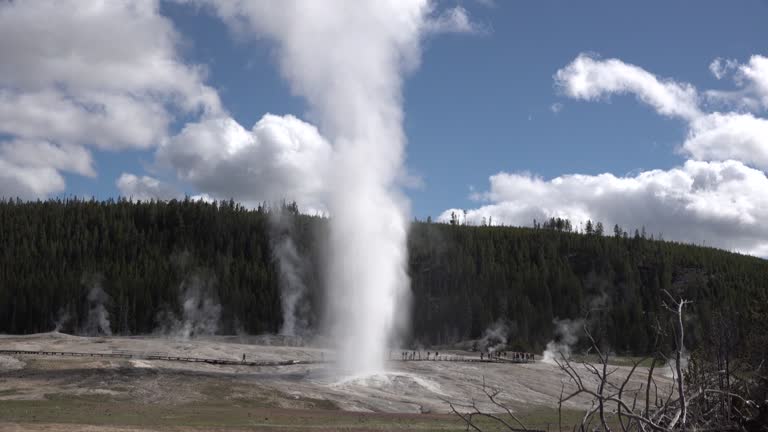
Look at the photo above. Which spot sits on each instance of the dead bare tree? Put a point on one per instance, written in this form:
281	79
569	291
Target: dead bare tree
676	307
469	412
698	400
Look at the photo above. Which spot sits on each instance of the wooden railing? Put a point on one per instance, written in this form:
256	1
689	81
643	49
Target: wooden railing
159	356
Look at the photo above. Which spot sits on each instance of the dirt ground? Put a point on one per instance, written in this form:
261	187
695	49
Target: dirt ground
57	393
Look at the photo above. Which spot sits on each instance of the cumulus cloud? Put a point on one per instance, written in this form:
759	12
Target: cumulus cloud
719	197
31	168
720	203
751	79
590	78
106	121
722	136
39	154
102	73
712	136
106	75
280	158
28	182
104	47
755	76
145	188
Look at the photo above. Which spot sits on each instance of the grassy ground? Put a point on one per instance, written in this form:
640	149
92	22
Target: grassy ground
71	413
618	361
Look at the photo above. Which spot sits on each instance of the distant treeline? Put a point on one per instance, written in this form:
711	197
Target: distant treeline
465	279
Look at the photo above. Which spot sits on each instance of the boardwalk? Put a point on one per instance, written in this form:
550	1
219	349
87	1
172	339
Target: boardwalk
120	354
159	356
419	356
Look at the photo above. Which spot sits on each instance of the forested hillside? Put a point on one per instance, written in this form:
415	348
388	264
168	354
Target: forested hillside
464	278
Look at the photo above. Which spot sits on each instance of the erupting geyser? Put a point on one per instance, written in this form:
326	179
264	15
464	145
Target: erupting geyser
361	111
348	59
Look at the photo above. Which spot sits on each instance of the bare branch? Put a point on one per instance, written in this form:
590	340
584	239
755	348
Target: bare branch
648	385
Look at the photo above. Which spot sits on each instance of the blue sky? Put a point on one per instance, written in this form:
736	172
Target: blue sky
468	106
479	105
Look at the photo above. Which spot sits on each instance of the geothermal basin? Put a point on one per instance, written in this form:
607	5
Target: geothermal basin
295	377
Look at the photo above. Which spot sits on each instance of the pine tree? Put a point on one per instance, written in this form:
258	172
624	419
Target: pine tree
589	228
599	229
463	278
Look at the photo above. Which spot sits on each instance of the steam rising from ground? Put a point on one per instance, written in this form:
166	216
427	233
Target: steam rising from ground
200	312
494	338
670	369
97	322
292	268
566	335
61	319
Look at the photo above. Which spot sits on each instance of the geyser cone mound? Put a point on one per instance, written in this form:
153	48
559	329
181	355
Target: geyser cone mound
391	382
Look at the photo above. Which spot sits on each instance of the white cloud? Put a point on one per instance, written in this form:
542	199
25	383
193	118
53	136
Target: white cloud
751	79
723	136
589	78
717	198
28	182
31	168
108	121
755	75
721	203
711	136
99	73
203	197
722	67
40	154
114	47
556	107
280	158
145	188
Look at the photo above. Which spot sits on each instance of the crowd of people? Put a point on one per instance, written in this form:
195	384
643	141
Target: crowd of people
507	355
512	356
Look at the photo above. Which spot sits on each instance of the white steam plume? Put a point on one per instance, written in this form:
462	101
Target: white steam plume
62	319
494	338
292	268
348	58
97	322
670	367
201	313
566	335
